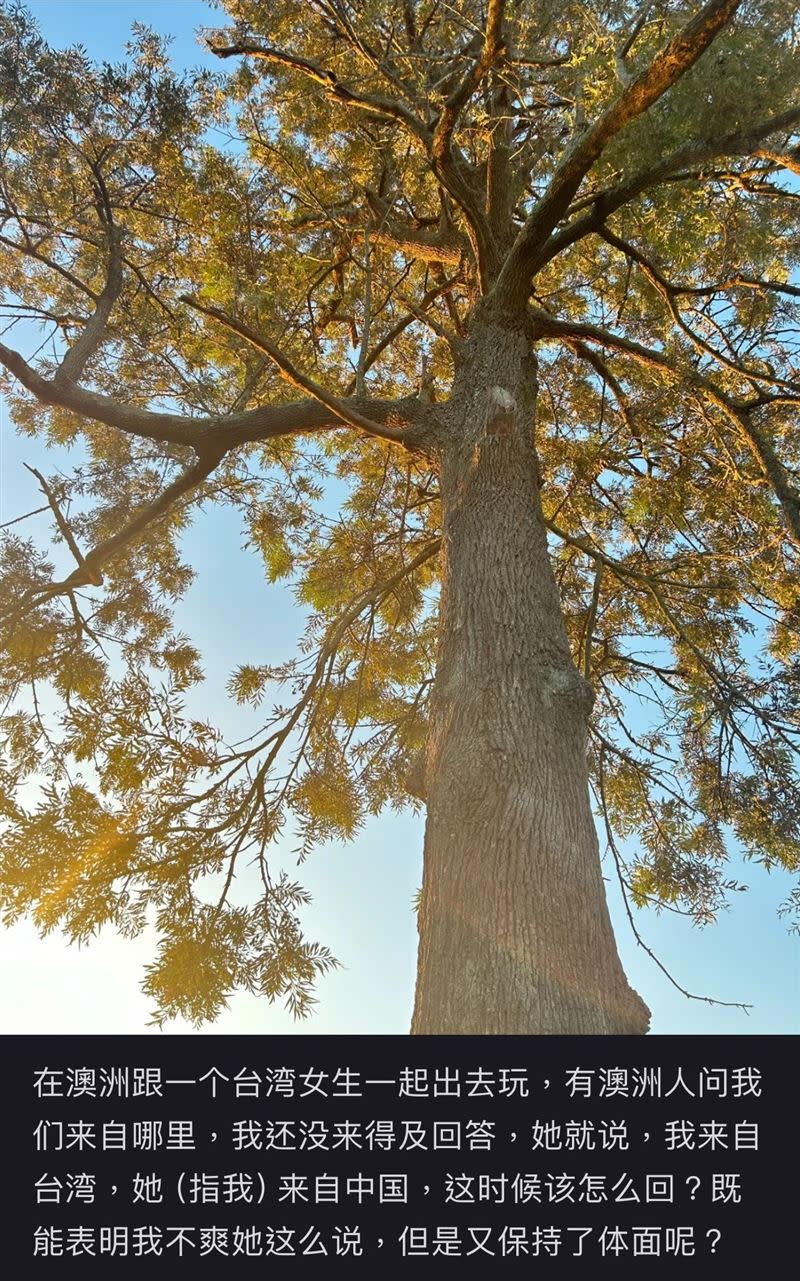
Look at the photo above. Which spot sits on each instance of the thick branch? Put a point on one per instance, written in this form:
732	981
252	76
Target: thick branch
182	485
687	158
457	176
739	282
463	91
445	245
786	159
81	351
667	67
211	432
353	417
452	169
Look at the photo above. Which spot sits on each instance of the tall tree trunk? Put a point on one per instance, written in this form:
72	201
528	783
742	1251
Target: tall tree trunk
515	935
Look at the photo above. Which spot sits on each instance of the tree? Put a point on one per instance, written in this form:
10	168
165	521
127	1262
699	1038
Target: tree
483	319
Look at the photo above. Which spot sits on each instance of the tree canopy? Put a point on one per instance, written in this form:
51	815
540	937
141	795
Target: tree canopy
252	289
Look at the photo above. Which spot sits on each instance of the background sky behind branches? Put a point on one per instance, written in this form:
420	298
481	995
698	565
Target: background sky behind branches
363	892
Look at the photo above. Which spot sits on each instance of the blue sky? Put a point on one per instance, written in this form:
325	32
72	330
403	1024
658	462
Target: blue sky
362	892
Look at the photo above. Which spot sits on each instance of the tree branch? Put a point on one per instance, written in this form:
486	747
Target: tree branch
31	252
459	178
445	245
739	282
347	413
78	355
786	159
689	157
691	996
463	91
388	338
590	357
373	104
452	169
88	570
452	339
665	70
591	620
667	292
739	414
211	432
63	524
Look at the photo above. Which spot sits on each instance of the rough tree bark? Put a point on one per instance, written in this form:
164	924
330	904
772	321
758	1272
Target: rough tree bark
515	935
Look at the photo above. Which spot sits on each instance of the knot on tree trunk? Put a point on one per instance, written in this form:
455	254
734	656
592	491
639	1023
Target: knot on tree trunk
414	781
565	686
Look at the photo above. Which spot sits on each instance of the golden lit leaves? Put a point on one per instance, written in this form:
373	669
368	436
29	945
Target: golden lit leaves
247	684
